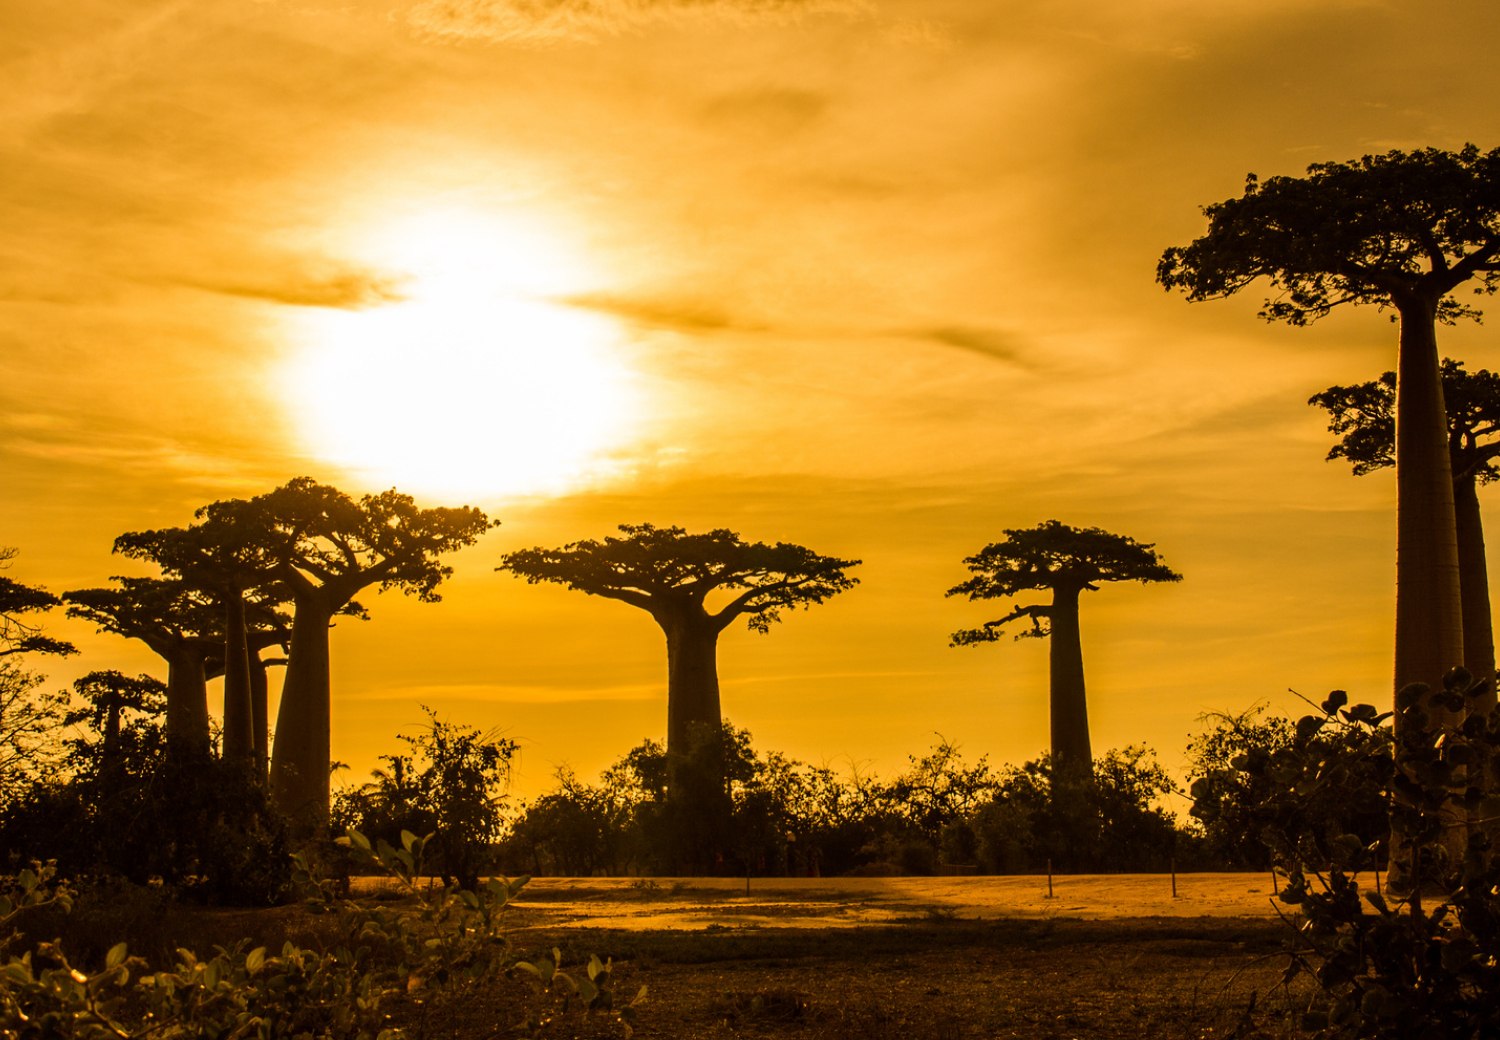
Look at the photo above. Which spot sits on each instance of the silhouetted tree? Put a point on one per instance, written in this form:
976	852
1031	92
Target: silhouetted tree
225	556
182	626
325	547
1066	561
18	633
671	575
107	697
1364	418
1402	230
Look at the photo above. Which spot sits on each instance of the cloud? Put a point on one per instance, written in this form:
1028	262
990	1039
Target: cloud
682	314
346	289
550	21
991	343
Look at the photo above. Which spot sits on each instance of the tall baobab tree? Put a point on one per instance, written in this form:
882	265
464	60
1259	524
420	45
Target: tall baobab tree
1065	561
326	547
1403	230
671	574
223	556
1363	416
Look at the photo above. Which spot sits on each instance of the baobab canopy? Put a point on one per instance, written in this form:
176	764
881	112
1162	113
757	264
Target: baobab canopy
1065	561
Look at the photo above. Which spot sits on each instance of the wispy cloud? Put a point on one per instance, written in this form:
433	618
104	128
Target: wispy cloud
346	289
680	313
990	343
549	21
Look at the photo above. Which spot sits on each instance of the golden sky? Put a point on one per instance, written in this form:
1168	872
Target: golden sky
875	276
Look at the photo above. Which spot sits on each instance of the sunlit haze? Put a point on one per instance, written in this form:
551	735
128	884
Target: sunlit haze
873	278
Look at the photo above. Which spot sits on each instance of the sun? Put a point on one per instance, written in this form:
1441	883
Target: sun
476	382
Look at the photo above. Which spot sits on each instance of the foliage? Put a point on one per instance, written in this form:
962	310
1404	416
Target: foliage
1238	772
122	806
1379	229
432	954
451	783
652	566
1109	820
1418	960
29	718
18	633
1051	556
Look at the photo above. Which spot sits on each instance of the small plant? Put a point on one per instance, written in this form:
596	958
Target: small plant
390	968
1418	961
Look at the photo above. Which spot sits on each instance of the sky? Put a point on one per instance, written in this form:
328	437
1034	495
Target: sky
872	276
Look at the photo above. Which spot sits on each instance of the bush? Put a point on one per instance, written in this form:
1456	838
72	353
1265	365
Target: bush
452	784
1418	962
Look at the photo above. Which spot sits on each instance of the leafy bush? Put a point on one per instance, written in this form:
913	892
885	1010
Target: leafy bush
1416	961
451	785
122	805
437	952
1240	768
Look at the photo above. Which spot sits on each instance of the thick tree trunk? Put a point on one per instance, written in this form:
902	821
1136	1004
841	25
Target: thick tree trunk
1071	750
1429	611
1474	582
697	796
300	758
1429	617
239	725
260	715
187	701
692	678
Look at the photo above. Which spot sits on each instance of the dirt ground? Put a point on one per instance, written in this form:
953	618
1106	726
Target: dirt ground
702	903
1112	958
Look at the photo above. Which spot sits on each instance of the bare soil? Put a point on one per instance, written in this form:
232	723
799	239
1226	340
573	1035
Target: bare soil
916	958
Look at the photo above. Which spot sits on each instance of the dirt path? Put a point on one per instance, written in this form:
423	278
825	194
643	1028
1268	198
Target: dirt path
722	903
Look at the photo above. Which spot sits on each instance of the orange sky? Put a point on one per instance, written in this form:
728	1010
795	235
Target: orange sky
875	277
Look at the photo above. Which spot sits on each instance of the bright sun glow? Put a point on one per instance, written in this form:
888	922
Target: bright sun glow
473	384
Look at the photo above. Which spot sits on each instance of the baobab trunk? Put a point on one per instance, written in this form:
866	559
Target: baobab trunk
300	757
696	790
1474	582
187	702
1071	750
239	725
1429	611
260	715
692	679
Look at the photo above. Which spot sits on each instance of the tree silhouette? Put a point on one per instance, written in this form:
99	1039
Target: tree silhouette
670	574
1363	416
224	557
107	696
325	547
1066	561
18	633
1402	230
183	626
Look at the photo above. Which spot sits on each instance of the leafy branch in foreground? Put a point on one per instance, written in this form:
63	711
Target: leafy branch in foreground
391	969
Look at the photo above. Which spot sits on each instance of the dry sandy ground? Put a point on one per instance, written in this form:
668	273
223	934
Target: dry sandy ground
722	903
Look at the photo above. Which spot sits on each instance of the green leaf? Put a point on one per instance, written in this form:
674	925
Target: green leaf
116	956
255	960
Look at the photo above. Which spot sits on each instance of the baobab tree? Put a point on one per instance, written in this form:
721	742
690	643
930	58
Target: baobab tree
224	557
1065	561
1403	230
183	626
325	547
671	575
18	633
1363	417
107	696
